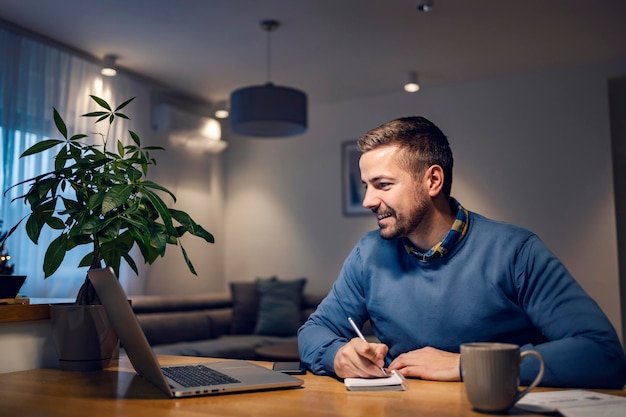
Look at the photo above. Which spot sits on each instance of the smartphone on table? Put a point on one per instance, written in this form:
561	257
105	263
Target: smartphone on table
291	368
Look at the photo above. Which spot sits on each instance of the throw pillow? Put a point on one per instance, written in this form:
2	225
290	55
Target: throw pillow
245	307
280	307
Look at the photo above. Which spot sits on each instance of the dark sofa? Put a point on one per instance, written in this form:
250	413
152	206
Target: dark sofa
226	325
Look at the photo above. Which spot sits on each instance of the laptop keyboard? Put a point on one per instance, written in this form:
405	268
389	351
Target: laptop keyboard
197	376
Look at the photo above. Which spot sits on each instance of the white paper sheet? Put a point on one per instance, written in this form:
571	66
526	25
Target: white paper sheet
574	403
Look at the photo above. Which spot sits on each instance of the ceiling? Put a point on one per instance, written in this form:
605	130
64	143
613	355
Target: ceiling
334	50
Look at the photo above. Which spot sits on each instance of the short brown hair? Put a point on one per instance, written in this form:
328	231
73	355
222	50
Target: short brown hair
423	143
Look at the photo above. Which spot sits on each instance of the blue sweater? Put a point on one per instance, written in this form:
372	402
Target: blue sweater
498	284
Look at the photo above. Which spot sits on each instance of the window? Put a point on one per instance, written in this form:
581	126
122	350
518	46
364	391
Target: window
34	78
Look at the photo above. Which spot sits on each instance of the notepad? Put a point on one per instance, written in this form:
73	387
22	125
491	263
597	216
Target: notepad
394	382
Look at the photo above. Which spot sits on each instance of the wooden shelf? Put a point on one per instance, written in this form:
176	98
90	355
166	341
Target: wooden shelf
24	312
38	309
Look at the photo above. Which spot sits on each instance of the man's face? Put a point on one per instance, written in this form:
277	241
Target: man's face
398	200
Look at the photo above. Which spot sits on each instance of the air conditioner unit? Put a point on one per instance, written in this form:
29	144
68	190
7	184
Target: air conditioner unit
188	129
167	118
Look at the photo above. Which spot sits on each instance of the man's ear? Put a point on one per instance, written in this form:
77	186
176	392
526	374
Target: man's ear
434	180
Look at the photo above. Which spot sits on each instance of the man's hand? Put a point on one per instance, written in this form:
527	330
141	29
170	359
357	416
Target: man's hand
358	358
428	363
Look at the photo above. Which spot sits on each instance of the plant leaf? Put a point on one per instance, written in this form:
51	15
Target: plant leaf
71	206
188	261
120	148
56	223
94	201
133	174
32	228
158	241
101	102
86	261
131	262
114	250
38	218
91	226
191	226
162	209
54	255
135	137
96	114
156	186
60	124
124	104
74	241
41	146
115	197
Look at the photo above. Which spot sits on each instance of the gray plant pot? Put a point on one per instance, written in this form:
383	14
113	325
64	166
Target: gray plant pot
83	337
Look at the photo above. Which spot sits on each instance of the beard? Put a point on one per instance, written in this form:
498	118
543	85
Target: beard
404	223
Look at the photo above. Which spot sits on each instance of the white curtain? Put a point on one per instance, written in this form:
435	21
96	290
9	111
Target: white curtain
34	78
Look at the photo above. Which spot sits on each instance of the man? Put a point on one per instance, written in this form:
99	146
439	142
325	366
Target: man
436	276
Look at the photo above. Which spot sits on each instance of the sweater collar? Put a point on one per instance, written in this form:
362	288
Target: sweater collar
454	236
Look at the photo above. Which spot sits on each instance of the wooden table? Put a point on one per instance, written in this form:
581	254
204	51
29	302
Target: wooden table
118	391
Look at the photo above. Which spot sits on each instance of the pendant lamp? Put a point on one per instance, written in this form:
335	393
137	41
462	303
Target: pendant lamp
412	86
108	66
268	110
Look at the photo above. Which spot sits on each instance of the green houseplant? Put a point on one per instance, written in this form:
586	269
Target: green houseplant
98	195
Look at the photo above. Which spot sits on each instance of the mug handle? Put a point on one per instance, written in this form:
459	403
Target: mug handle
539	376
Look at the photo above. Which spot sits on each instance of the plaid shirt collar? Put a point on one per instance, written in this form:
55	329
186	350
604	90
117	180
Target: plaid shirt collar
454	236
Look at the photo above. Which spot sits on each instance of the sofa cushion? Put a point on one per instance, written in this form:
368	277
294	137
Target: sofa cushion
245	307
310	303
173	327
280	307
181	302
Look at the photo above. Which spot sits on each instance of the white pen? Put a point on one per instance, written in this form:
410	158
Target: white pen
358	332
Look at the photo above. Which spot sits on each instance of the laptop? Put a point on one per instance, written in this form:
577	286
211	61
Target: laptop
175	380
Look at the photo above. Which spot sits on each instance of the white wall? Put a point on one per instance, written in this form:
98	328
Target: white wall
196	179
531	149
26	345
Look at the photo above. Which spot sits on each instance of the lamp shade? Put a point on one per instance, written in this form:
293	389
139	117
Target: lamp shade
268	111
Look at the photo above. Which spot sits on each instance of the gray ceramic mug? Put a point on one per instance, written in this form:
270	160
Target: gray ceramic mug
491	374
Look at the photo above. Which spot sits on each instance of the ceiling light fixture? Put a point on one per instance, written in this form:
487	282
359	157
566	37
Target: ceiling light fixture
108	66
412	85
268	110
425	6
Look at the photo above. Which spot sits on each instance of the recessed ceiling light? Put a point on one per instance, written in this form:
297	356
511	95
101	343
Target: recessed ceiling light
425	6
